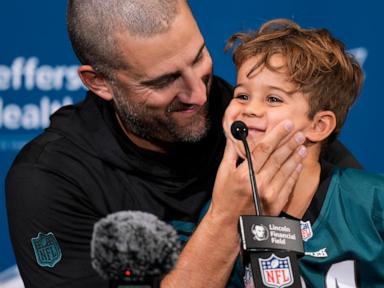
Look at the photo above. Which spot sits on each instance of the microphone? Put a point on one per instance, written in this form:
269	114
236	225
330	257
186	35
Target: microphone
269	245
239	130
133	249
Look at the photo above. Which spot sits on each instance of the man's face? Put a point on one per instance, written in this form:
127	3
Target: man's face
163	96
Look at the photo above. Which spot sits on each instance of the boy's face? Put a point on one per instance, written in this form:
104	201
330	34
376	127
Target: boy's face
263	98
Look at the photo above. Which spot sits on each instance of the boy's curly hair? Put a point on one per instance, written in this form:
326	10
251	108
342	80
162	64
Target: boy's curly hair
315	61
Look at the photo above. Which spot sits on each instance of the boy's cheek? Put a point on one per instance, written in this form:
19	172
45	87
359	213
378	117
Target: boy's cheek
230	116
233	111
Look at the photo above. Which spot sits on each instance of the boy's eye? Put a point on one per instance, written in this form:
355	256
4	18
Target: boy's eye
241	97
274	99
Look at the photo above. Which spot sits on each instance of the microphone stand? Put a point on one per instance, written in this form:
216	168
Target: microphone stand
269	245
255	194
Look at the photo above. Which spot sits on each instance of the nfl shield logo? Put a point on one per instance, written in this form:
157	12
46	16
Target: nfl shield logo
47	249
276	272
306	230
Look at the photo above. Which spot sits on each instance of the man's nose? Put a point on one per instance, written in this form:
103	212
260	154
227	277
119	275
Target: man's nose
195	88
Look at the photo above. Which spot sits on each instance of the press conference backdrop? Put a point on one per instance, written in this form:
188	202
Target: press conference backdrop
38	71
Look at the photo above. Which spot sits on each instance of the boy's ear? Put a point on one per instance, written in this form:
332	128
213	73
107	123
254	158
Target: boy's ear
323	124
96	82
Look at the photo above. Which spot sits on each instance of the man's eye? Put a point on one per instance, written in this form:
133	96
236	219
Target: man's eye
241	97
162	82
199	58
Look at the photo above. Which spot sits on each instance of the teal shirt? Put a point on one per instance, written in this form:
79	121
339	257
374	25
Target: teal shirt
348	235
350	232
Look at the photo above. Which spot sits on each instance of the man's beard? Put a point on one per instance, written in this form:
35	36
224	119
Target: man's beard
162	128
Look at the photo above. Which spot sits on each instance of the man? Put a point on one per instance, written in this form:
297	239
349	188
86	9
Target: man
147	137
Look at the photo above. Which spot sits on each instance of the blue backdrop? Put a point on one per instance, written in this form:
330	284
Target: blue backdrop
38	68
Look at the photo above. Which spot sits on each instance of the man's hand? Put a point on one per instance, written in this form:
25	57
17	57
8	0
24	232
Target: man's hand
277	164
212	250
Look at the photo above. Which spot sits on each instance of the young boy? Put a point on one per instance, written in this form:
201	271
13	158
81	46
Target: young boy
287	72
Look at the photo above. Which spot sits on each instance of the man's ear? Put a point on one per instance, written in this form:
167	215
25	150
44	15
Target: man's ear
323	124
96	82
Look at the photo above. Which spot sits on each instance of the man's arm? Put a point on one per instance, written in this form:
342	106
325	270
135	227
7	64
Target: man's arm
41	201
208	258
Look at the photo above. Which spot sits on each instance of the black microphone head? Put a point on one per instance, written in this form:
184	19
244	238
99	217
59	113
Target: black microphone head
239	130
135	241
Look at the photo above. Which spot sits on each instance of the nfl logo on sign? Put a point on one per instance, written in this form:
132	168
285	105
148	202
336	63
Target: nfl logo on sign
276	272
306	230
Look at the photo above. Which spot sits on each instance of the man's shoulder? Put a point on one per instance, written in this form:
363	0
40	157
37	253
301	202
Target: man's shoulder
220	96
47	144
222	86
70	136
50	159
